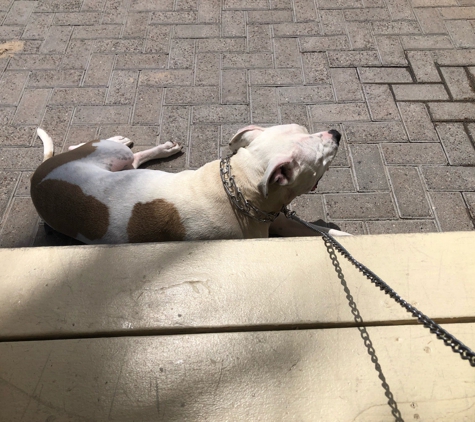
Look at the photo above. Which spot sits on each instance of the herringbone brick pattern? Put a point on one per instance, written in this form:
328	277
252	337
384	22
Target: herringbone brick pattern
396	77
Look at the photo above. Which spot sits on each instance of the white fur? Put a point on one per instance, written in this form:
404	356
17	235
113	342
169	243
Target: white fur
48	146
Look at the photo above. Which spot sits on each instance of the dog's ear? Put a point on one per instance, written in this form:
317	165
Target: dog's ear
280	170
244	137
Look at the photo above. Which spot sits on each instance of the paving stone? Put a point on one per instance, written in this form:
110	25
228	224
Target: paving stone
207	69
461	32
381	102
430	21
122	87
35	61
222	45
400	9
19	225
452	111
264	105
75	18
457	12
141	61
110	114
289	29
420	92
354	206
305	11
455	57
323	43
414	153
269	16
346	84
451	211
458	83
339	112
182	54
417	122
390	50
148	104
368	167
136	25
258	38
99	70
56	40
16	135
20	158
204	145
305	94
19	13
384	75
55	78
336	180
353	58
178	17
8	184
79	134
286	52
449	179
246	60
275	77
457	144
157	40
11	87
409	192
175	124
172	77
401	226
315	66
189	95
365	15
55	122
31	107
422	64
309	207
293	113
37	26
140	135
76	96
375	132
333	22
414	42
360	35
220	113
78	53
233	87
470	201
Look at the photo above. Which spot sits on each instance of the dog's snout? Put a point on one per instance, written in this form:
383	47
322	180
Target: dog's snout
336	135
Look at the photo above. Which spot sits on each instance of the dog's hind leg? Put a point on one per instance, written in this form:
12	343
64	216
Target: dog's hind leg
160	151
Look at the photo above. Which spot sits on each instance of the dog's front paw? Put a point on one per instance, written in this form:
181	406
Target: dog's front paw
171	147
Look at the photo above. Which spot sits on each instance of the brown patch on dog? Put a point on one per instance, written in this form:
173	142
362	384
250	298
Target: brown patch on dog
9	48
53	163
155	221
67	209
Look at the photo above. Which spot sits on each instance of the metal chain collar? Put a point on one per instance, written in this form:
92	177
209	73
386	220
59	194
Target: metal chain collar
237	198
449	340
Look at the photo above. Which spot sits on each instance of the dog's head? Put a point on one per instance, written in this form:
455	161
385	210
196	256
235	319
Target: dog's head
290	156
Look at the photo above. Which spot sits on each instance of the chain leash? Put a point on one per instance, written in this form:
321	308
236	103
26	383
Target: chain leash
449	340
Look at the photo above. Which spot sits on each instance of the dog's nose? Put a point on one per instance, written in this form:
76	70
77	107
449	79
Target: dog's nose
336	135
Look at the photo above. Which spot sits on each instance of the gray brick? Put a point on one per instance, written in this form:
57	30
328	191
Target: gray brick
422	63
368	167
420	92
8	183
451	211
365	15
400	9
58	6
360	35
395	27
247	60
175	124
196	31
346	84
148	104
275	76
10	32
76	96
55	122
336	180
182	54
461	32
75	18
176	17
144	5
19	13
458	147
209	11
56	40
353	58
157	39
380	102
340	4
102	115
258	38
140	135
339	112
122	87
294	113
333	22
207	69
233	87
452	111
6	114
79	134
192	95
295	29
11	87
414	153
470	201
401	226
19	225
372	132
31	107
286	52
183	77
20	158
99	70
305	94
269	16
323	43
90	5
53	78
223	45
16	135
37	26
414	42
204	145
78	54
23	187
354	206
304	10
390	50
455	57
409	192
315	66
34	61
141	61
458	83
220	113
96	31
136	25
449	178
309	207
430	21
384	75
264	108
417	121
458	12
233	23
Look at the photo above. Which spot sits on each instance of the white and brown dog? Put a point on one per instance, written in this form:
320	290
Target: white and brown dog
89	193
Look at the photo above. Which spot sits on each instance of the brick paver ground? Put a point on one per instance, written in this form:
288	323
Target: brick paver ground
396	77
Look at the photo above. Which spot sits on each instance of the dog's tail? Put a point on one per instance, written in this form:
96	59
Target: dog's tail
47	144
